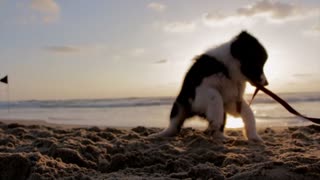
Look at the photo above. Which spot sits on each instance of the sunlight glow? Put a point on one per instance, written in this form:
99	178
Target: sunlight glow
234	122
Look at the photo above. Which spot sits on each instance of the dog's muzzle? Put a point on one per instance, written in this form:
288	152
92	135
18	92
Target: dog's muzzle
264	81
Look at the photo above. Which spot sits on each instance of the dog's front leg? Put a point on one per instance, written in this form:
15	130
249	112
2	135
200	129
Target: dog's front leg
249	123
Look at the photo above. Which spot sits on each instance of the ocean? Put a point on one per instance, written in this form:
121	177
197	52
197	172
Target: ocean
152	112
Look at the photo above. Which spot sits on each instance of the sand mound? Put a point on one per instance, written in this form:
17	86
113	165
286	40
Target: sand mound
39	152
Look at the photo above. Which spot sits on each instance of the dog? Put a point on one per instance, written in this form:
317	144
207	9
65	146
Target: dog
215	84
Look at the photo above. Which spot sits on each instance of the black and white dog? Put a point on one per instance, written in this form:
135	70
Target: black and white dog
215	84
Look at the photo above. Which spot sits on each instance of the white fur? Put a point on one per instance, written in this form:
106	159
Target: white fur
209	101
222	53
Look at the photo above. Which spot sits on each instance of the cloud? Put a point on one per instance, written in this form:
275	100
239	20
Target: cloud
217	16
302	75
277	10
314	31
217	19
162	61
63	49
49	10
179	27
157	6
138	51
273	11
80	48
45	6
316	28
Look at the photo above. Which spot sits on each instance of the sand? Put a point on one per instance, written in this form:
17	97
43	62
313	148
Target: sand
45	152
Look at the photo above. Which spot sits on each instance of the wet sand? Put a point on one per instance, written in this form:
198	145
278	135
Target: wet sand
45	151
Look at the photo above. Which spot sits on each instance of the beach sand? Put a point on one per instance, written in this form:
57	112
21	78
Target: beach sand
44	151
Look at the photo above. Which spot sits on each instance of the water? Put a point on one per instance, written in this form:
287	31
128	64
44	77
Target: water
151	112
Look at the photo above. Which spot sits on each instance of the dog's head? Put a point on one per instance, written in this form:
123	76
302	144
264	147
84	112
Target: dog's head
252	57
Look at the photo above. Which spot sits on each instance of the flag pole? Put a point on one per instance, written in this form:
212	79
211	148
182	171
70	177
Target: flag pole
5	80
8	97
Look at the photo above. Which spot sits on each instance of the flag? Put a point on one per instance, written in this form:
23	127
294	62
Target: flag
4	80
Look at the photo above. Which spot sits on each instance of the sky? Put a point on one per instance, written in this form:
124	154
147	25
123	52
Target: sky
80	49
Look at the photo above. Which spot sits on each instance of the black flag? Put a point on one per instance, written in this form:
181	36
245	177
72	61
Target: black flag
4	80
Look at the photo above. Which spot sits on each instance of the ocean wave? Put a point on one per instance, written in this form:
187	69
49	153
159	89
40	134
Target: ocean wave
102	103
289	97
275	117
289	100
139	102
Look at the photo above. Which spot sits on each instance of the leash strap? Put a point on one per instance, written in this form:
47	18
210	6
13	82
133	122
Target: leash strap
254	95
282	102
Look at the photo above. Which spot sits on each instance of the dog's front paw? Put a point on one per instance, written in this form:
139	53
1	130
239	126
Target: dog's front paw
165	133
216	135
255	138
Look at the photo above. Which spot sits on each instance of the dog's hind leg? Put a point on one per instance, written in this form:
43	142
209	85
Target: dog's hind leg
223	122
215	114
177	117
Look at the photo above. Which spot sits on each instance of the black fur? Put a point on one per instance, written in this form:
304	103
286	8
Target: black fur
251	54
224	122
204	66
174	111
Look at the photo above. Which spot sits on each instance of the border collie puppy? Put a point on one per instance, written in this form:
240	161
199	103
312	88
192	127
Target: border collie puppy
215	84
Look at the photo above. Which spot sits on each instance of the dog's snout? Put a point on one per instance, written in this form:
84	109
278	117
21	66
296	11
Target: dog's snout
264	80
266	83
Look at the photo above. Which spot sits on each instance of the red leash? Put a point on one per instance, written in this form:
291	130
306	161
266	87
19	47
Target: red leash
282	102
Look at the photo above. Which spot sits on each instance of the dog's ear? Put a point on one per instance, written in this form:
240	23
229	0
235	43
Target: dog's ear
196	58
251	55
240	45
245	47
244	34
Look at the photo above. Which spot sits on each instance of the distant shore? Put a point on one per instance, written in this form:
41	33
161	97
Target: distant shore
39	150
52	125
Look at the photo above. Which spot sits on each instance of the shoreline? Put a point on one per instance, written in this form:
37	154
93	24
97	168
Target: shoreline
53	125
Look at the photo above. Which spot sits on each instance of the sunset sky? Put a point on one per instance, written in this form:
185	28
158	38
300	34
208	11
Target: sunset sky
70	49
